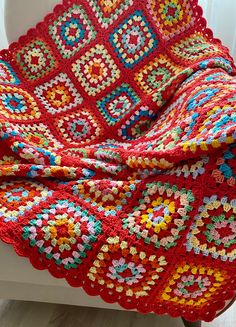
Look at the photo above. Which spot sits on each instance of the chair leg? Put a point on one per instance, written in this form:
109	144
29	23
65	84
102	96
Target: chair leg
192	324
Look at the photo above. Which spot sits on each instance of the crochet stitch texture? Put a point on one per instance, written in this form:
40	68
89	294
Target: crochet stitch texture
118	155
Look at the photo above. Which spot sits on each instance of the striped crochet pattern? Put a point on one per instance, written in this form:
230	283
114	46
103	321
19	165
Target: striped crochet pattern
118	155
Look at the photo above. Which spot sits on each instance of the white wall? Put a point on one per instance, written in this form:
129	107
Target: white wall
221	16
3	39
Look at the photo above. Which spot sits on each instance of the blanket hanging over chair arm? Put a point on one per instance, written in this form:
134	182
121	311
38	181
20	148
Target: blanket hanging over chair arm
118	154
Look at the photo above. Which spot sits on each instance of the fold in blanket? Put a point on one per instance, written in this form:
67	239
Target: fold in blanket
118	154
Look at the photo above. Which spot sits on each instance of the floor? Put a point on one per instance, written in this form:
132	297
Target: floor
25	314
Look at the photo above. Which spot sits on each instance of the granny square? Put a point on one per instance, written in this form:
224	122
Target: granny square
117	104
35	59
16	103
96	70
72	31
81	126
7	74
134	39
59	94
108	12
172	17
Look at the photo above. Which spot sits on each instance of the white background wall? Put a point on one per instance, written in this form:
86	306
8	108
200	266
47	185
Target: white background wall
3	40
221	16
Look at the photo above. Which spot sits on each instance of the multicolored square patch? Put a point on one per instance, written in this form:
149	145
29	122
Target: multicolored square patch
134	39
118	103
72	31
138	124
156	74
108	197
7	74
16	103
208	132
194	47
28	194
39	135
59	94
164	141
192	286
161	215
193	169
62	231
213	231
35	60
107	11
96	70
171	16
125	270
202	95
79	127
218	118
226	167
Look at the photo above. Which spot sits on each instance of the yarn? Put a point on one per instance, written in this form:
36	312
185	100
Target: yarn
118	156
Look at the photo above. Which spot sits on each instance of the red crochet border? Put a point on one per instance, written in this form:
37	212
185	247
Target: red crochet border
174	312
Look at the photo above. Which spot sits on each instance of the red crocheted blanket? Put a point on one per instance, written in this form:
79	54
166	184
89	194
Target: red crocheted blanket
118	155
